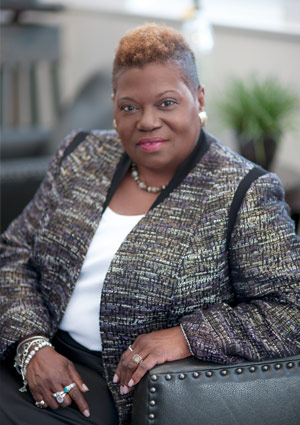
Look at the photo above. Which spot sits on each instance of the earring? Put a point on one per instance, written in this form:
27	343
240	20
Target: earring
115	125
203	118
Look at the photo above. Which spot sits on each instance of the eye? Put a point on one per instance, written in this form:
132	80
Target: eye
127	108
168	103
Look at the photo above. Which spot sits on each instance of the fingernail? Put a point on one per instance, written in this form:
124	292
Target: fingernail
121	390
115	378
125	389
131	383
86	413
85	387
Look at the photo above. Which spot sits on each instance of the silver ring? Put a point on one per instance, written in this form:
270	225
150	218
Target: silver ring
69	387
40	404
59	396
137	358
130	348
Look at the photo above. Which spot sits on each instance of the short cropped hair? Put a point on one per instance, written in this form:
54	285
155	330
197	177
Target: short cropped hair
155	43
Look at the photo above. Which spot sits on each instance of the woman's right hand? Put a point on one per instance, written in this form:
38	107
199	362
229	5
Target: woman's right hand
49	372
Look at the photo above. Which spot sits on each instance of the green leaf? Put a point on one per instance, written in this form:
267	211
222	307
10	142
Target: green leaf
258	109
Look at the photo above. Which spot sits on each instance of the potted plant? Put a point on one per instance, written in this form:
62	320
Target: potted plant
259	112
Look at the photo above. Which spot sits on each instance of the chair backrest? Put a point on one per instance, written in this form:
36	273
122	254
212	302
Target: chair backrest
29	86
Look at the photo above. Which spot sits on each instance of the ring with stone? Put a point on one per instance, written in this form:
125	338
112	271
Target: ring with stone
137	358
69	387
40	404
59	396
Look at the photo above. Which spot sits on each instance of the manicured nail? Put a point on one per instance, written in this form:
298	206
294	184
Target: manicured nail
86	413
115	378
123	389
85	387
131	383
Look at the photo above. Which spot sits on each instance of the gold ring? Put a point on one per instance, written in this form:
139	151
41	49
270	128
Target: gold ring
137	358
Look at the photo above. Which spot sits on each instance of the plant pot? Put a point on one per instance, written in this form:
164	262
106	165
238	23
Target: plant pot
262	153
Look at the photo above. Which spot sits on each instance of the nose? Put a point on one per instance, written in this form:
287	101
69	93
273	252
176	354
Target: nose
148	120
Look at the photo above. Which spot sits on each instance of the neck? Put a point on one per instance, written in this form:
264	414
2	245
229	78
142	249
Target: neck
143	183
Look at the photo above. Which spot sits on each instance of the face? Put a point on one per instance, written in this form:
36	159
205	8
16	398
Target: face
157	115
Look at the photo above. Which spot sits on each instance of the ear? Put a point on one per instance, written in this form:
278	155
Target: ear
201	97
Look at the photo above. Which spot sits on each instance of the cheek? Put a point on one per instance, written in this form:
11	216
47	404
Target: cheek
129	122
124	128
185	123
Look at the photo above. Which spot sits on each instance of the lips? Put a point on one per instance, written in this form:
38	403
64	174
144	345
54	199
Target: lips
151	144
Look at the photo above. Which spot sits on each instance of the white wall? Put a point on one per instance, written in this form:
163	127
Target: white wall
90	37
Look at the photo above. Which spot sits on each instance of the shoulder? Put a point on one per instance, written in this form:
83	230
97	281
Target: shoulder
97	138
222	158
89	144
220	172
230	167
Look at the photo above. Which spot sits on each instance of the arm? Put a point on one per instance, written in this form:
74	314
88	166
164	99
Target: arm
265	266
22	310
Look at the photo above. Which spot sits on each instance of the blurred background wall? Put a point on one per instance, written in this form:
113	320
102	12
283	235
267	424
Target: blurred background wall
261	38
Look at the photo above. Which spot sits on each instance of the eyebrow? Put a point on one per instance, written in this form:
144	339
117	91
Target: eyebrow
167	91
159	95
127	98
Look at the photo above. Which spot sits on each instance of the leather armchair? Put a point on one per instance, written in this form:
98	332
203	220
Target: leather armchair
194	392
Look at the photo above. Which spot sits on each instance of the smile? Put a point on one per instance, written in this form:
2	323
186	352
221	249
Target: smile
151	144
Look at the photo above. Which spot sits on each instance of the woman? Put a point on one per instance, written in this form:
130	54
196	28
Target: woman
138	220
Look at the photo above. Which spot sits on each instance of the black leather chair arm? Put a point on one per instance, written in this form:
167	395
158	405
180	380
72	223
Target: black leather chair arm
193	392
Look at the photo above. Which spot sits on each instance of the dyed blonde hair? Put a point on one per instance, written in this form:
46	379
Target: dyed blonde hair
159	44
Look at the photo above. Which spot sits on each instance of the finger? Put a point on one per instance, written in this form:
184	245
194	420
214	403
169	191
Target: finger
50	400
122	366
39	398
65	400
124	389
76	378
126	354
80	401
75	393
128	367
42	393
142	369
131	370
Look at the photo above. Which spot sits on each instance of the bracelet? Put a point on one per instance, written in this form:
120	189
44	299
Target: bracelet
23	350
32	353
24	356
21	355
30	338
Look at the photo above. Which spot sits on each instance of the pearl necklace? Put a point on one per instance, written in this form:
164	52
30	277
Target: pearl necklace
142	185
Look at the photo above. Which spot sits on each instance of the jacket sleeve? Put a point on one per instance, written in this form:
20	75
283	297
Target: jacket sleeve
22	311
264	254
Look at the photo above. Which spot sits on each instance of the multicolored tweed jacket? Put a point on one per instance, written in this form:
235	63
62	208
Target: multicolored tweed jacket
173	266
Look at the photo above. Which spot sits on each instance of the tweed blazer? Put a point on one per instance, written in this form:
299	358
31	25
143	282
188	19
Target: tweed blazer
172	268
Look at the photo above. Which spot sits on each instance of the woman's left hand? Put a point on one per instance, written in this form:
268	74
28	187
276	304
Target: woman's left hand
154	348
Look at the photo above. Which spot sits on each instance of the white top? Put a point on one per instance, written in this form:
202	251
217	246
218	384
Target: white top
81	318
